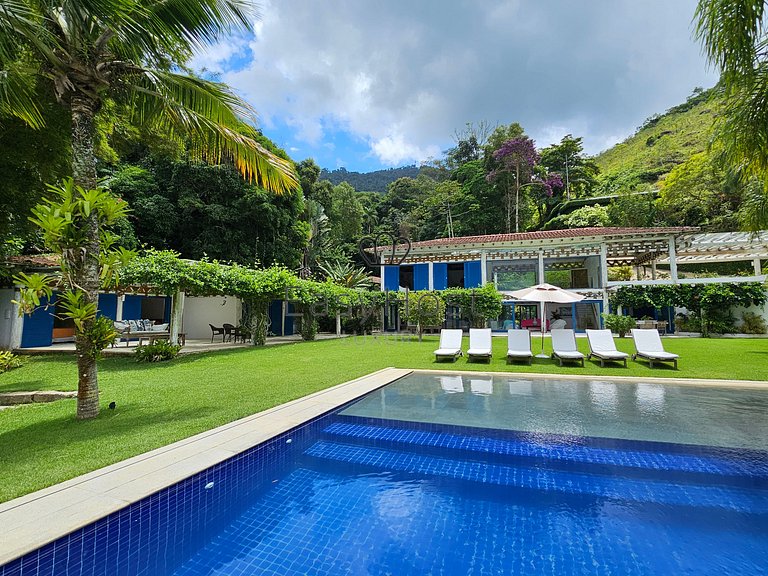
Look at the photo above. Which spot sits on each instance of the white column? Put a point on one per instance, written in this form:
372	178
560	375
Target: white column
653	270
119	310
541	267
757	267
483	268
603	266
431	279
17	324
177	312
672	260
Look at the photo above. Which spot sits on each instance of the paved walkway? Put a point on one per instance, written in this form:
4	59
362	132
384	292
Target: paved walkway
191	346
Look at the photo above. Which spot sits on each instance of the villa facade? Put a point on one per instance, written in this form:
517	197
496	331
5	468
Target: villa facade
576	259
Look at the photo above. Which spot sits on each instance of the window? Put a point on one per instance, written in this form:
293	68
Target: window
406	277
456	275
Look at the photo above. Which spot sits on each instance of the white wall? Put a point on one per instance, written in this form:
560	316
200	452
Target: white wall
737	312
592	264
201	311
10	322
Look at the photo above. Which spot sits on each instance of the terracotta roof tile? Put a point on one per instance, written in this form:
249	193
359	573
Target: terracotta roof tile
34	260
549	235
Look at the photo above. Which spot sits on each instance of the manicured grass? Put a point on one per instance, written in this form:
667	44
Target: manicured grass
157	404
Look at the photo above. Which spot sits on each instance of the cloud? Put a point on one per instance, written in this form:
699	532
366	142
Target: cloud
403	76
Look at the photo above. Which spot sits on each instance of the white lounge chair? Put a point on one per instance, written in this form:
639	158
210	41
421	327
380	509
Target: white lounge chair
519	345
479	344
564	346
648	345
451	384
450	345
603	347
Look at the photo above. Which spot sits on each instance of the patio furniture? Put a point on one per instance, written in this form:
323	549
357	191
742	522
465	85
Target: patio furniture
603	347
215	331
231	332
139	330
564	347
648	345
479	344
519	345
450	345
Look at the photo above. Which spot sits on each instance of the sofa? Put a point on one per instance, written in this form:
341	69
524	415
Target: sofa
141	329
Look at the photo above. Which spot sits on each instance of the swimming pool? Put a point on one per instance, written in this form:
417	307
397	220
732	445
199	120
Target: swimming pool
473	474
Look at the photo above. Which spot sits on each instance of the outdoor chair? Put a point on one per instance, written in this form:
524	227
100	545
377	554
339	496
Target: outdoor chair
603	347
479	344
648	345
216	331
564	346
519	345
450	345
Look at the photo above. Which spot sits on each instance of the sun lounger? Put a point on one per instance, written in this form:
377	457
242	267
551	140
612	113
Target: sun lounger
648	345
603	347
564	346
519	345
450	345
479	344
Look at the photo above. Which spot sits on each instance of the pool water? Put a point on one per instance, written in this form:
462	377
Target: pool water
528	477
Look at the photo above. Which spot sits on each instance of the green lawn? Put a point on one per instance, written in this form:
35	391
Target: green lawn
157	404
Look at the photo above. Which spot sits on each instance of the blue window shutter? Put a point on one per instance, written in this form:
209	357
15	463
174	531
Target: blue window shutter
132	307
472	274
108	305
440	276
37	329
421	276
392	278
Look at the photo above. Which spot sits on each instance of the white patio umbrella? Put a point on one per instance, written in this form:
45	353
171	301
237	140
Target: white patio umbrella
544	293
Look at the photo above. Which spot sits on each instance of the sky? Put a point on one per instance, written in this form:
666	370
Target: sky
368	85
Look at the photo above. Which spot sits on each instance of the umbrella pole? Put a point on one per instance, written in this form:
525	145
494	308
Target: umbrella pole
543	320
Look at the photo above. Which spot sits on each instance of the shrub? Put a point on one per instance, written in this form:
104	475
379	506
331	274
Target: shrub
9	361
308	326
752	323
159	351
687	323
619	324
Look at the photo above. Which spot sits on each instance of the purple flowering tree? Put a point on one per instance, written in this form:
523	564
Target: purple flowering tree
517	159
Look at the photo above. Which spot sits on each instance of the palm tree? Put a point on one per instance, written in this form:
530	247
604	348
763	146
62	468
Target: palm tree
735	38
127	52
345	274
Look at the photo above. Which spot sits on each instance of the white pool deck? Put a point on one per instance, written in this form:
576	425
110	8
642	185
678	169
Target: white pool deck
34	520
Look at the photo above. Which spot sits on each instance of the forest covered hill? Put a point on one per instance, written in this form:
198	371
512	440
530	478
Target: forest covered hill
664	141
376	181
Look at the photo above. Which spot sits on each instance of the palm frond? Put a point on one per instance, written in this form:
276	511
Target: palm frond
729	31
213	118
17	95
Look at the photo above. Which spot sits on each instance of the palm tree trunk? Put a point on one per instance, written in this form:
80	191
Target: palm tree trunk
85	263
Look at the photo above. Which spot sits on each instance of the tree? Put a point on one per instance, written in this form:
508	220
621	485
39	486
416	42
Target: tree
99	51
517	158
734	36
578	172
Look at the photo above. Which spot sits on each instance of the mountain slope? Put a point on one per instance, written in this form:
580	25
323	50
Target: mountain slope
369	181
663	141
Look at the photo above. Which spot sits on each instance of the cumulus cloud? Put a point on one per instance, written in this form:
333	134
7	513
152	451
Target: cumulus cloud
402	76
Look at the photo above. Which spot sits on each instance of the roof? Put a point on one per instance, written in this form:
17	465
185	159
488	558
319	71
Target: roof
34	261
551	235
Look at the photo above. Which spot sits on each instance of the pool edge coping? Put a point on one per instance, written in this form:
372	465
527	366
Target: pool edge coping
34	520
714	382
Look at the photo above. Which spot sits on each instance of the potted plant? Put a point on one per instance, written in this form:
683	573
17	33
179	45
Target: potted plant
619	324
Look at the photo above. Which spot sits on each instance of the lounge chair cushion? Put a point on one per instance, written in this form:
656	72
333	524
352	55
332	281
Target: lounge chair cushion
447	352
520	353
569	354
478	352
658	355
